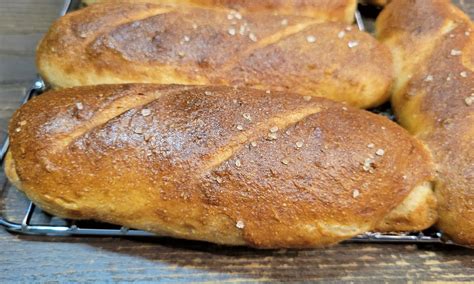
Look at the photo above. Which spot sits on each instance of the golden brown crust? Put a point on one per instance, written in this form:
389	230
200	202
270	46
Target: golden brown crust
433	42
147	43
324	10
417	212
226	165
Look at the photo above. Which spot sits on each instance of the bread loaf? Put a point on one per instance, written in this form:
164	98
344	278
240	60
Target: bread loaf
225	165
324	10
147	43
433	47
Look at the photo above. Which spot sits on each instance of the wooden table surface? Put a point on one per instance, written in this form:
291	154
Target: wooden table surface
47	259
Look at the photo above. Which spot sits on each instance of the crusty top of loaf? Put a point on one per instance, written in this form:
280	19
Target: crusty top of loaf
433	45
148	43
289	171
325	10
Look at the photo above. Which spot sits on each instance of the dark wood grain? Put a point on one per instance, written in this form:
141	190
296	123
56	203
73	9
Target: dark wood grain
53	259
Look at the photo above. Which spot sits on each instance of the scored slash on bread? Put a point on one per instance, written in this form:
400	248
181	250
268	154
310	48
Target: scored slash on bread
227	165
147	43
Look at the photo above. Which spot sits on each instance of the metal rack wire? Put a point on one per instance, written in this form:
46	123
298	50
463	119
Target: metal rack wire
70	227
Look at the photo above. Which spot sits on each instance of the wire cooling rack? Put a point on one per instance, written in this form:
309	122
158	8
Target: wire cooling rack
20	215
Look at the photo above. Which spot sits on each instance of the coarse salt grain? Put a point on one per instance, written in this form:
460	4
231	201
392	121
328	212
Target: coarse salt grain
247	116
240	127
311	39
429	78
284	22
242	29
240	224
341	34
284	162
238	163
352	43
456	52
299	144
186	38
463	74
231	31
469	100
272	136
253	143
79	106
367	166
355	193
371	145
252	37
380	152
274	129
23	122
146	112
